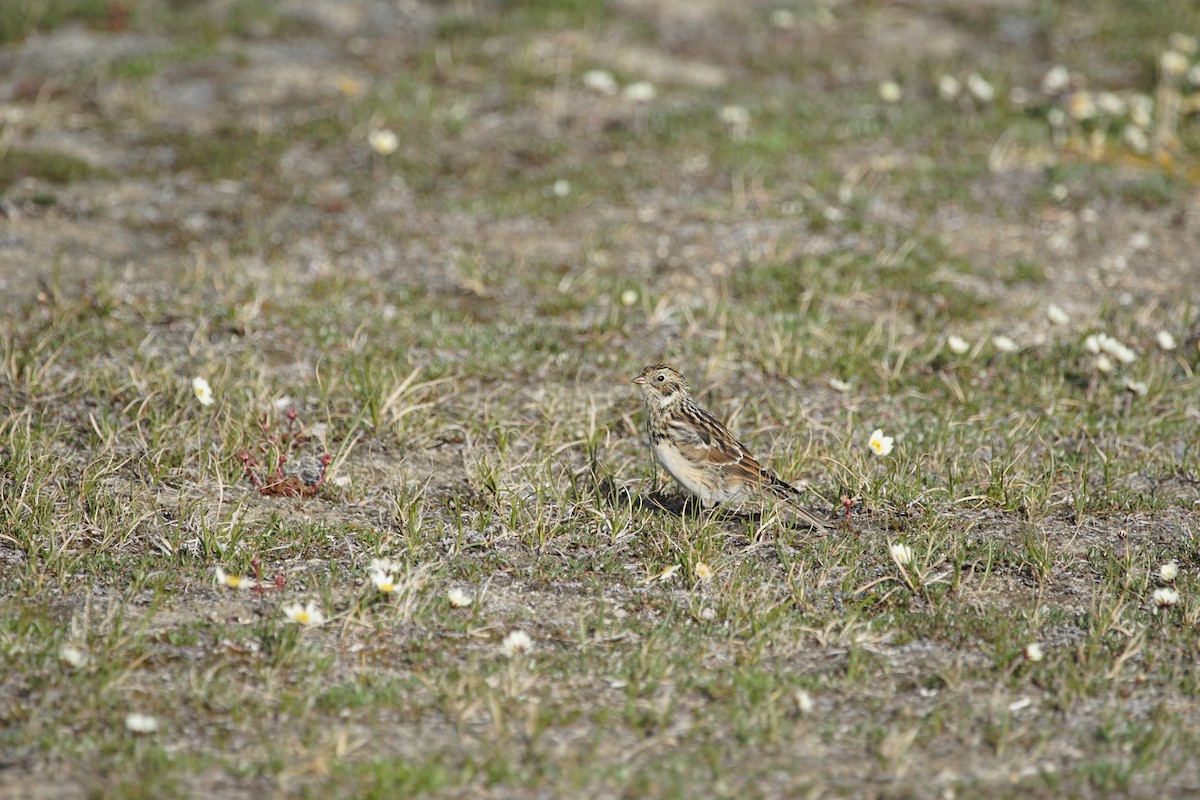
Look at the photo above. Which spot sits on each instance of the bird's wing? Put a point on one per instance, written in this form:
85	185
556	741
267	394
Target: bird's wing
702	437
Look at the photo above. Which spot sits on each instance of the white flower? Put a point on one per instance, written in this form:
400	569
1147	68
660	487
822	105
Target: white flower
948	87
1136	139
1092	342
1165	340
902	554
703	572
629	297
1033	652
1056	80
561	188
600	81
708	613
1104	364
804	701
1056	315
308	614
383	565
140	723
1059	192
957	344
1165	597
203	391
341	481
1173	63
385	582
640	92
383	141
73	656
1119	351
1168	572
783	19
233	581
839	385
1140	240
890	92
737	116
1141	110
882	445
1110	103
1081	106
1004	344
1184	43
516	643
979	88
1137	387
458	598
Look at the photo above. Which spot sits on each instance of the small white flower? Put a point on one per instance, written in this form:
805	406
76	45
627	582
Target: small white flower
1033	652
1004	344
341	481
1135	139
1184	43
1110	103
458	598
222	578
140	723
640	92
1056	80
1168	572
783	19
203	391
1119	351
515	644
385	582
890	92
629	297
948	87
1081	106
1059	192
1137	387
383	565
1056	315
282	403
1141	110
73	656
708	613
902	554
882	445
703	572
957	344
979	88
600	81
1165	340
383	141
1104	364
1165	597
1092	342
1173	63
804	701
1140	241
561	188
737	116
308	614
840	385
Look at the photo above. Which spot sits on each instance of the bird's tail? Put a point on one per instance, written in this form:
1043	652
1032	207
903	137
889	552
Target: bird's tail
786	491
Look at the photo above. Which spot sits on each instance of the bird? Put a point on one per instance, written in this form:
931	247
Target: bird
698	451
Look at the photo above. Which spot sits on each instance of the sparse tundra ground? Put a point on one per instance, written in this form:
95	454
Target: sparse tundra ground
415	252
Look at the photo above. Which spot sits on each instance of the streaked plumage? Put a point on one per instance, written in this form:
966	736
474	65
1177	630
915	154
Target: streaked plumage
698	451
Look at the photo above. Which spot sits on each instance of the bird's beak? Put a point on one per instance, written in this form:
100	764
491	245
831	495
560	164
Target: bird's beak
640	380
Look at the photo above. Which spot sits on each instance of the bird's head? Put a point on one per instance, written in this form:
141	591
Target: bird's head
661	385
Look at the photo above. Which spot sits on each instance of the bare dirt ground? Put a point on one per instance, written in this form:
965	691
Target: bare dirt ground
191	189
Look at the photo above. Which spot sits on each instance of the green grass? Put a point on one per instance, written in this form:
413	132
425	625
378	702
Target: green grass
458	338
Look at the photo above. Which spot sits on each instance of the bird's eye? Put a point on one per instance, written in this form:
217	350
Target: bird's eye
661	378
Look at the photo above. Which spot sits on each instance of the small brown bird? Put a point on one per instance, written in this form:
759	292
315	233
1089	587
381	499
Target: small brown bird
698	451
